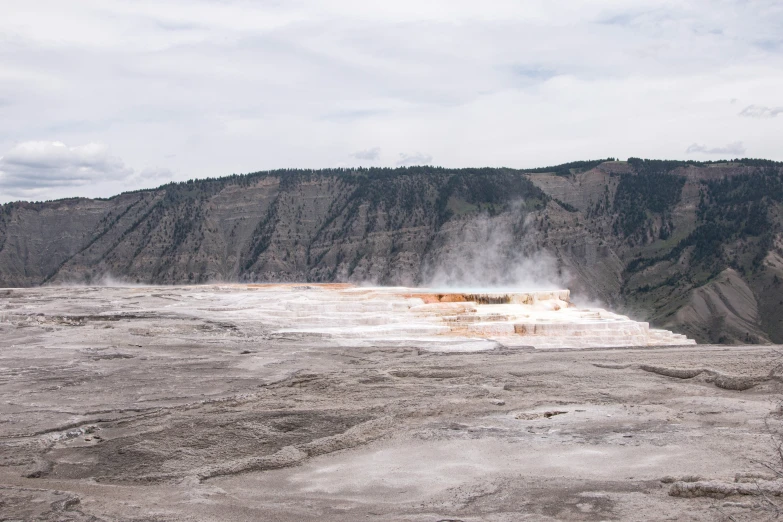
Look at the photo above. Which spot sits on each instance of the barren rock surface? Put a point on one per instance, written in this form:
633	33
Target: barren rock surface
169	403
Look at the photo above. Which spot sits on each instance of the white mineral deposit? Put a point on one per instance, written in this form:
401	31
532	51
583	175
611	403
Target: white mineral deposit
539	319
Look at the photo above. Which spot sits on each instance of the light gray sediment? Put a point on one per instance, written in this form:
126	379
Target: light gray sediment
172	410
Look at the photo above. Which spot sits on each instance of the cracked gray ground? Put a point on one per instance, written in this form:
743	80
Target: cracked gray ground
154	413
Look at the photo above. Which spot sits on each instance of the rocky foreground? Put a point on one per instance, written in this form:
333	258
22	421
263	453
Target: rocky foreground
191	403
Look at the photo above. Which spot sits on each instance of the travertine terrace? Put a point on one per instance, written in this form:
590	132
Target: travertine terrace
540	319
437	319
310	402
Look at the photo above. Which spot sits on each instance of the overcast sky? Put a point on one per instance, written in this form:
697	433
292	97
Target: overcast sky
102	96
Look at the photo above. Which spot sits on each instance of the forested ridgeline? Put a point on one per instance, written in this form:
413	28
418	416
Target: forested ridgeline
657	238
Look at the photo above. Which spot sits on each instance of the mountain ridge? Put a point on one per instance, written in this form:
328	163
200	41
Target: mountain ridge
691	246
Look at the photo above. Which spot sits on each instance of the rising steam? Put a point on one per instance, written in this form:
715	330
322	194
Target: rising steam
494	252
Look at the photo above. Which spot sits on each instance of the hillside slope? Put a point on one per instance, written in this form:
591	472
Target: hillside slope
689	246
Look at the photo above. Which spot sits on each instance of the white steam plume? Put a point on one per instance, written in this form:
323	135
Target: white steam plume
494	252
105	280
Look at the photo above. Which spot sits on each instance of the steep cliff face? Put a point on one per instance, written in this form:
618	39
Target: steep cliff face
693	247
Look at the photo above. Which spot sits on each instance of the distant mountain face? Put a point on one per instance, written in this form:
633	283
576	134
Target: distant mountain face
692	247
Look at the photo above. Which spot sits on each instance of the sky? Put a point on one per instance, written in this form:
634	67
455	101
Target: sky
98	97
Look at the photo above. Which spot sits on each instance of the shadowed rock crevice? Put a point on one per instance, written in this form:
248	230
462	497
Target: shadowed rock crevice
180	446
719	379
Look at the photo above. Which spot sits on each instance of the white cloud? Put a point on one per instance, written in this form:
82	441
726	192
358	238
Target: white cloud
35	167
761	111
736	149
206	88
157	174
416	158
372	154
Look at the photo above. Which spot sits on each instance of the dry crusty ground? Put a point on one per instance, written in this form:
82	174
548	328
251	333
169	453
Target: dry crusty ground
154	414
